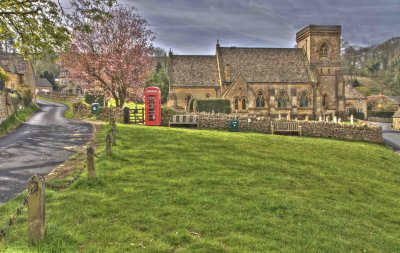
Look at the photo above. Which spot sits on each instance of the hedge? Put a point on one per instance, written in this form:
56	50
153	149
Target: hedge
212	105
380	114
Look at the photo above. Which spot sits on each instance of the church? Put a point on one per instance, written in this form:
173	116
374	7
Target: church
302	81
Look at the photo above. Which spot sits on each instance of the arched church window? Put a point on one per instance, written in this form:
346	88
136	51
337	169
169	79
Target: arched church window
323	51
303	99
325	101
260	102
236	103
243	103
188	98
283	100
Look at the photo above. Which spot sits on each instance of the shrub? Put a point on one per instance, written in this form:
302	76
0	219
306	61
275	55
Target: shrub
380	114
90	99
167	112
357	115
210	105
25	95
191	102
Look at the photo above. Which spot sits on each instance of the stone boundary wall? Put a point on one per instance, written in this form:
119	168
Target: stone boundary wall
82	110
382	120
309	128
6	106
59	96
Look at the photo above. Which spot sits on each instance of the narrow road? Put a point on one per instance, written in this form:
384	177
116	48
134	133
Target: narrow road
390	136
38	146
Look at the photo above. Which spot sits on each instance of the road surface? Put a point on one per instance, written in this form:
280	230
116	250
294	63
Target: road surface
390	136
38	146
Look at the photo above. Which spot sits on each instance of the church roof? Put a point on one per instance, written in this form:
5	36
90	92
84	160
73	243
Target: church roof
193	70
261	65
352	93
271	65
43	82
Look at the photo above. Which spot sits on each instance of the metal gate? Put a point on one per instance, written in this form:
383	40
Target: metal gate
133	116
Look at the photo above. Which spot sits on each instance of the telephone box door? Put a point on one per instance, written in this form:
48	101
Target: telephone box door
152	106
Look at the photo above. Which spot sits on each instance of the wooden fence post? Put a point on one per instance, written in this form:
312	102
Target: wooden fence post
108	145
113	136
36	208
126	115
90	163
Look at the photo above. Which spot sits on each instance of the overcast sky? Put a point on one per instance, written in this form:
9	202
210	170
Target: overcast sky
193	26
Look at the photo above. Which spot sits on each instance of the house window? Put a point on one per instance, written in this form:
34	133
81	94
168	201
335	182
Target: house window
236	104
303	99
283	99
243	103
359	110
325	101
347	110
360	101
260	100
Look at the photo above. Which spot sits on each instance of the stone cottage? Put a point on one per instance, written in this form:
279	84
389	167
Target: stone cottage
19	70
355	101
301	81
43	85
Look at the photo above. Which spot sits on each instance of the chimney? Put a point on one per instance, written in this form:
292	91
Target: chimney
227	73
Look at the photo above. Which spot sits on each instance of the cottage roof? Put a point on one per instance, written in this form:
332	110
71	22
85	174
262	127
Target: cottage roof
397	114
352	93
13	63
272	65
43	82
394	99
193	70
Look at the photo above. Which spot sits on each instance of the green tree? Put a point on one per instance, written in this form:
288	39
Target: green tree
159	78
50	77
40	27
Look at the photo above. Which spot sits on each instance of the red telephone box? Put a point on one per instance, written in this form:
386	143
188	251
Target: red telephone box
152	102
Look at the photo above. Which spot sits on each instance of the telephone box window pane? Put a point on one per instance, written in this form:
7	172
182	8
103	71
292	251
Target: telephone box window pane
152	108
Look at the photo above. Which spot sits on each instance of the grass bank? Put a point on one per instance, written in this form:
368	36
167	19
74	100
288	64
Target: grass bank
182	190
15	120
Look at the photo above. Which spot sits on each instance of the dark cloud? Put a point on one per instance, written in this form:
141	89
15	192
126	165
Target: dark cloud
193	26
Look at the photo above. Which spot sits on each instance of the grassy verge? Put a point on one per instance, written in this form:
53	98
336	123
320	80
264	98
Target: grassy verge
15	120
182	190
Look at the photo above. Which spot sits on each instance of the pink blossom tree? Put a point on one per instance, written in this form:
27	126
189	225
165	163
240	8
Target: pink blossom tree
113	59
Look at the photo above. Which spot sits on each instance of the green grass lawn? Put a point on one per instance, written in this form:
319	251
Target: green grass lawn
182	190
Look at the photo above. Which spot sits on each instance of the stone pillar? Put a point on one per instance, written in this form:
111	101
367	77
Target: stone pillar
320	118
352	119
306	118
334	119
279	116
36	208
90	163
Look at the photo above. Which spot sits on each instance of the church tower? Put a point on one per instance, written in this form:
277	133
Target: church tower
321	45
